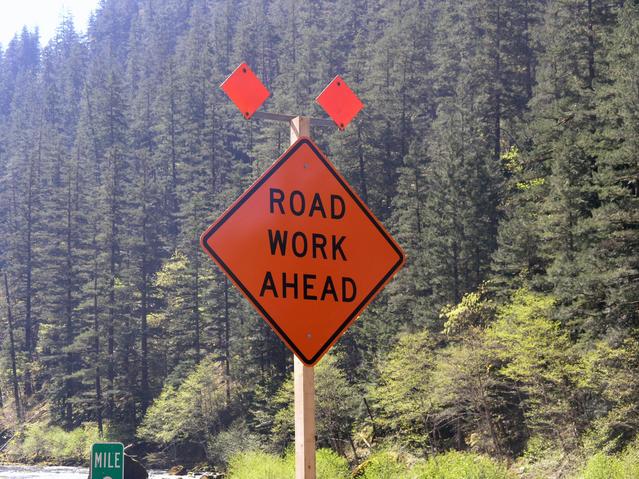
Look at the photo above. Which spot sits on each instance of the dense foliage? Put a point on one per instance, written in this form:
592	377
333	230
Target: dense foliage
499	144
40	442
259	465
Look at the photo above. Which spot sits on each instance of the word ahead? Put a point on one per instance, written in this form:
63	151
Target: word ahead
304	249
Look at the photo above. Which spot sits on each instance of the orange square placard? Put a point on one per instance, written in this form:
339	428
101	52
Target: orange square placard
340	102
245	89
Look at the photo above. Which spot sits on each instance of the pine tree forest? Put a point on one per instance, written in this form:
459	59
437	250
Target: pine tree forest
499	144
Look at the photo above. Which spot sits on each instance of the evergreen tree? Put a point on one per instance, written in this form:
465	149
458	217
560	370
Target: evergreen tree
63	65
497	143
613	252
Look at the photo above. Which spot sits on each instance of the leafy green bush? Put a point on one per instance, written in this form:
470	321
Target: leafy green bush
451	465
39	442
260	465
383	465
601	466
621	466
403	390
331	465
460	465
335	408
228	443
193	411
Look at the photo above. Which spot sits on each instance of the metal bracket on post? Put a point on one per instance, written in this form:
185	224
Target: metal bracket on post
265	115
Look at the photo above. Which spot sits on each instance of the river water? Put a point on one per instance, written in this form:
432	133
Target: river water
40	472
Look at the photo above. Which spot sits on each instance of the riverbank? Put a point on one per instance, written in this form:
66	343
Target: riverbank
22	471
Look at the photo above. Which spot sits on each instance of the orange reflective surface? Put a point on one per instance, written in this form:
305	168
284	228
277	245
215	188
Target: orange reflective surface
304	249
340	102
245	89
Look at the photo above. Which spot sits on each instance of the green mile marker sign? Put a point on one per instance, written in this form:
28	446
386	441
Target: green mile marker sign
107	460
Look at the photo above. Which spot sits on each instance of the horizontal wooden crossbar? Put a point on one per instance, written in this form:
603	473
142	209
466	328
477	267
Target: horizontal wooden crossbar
265	115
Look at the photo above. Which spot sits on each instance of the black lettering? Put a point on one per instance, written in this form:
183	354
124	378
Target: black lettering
317	205
296	251
345	298
319	243
329	289
300	211
337	247
335	213
268	284
277	240
276	196
292	285
308	287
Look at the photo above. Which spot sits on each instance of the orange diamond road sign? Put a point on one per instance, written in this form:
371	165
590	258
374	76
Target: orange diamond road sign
304	249
340	102
245	89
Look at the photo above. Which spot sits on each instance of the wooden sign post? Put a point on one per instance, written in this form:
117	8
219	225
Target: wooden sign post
303	376
302	246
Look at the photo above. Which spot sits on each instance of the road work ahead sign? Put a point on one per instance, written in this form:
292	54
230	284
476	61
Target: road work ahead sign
107	460
304	249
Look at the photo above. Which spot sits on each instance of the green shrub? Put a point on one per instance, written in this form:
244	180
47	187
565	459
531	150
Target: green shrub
451	465
261	465
620	466
193	411
32	443
601	466
228	443
383	465
331	465
460	465
40	442
335	407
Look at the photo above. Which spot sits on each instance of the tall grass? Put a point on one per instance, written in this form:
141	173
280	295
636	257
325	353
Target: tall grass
260	465
620	466
382	465
450	465
459	465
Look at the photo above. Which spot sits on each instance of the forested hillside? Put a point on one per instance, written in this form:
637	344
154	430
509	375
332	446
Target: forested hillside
499	143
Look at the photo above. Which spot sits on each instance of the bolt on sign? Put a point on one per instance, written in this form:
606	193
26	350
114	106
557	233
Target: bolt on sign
107	460
304	249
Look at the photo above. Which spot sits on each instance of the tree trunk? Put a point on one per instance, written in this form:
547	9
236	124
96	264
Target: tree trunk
196	315
591	47
68	385
28	326
227	351
12	352
362	169
96	343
